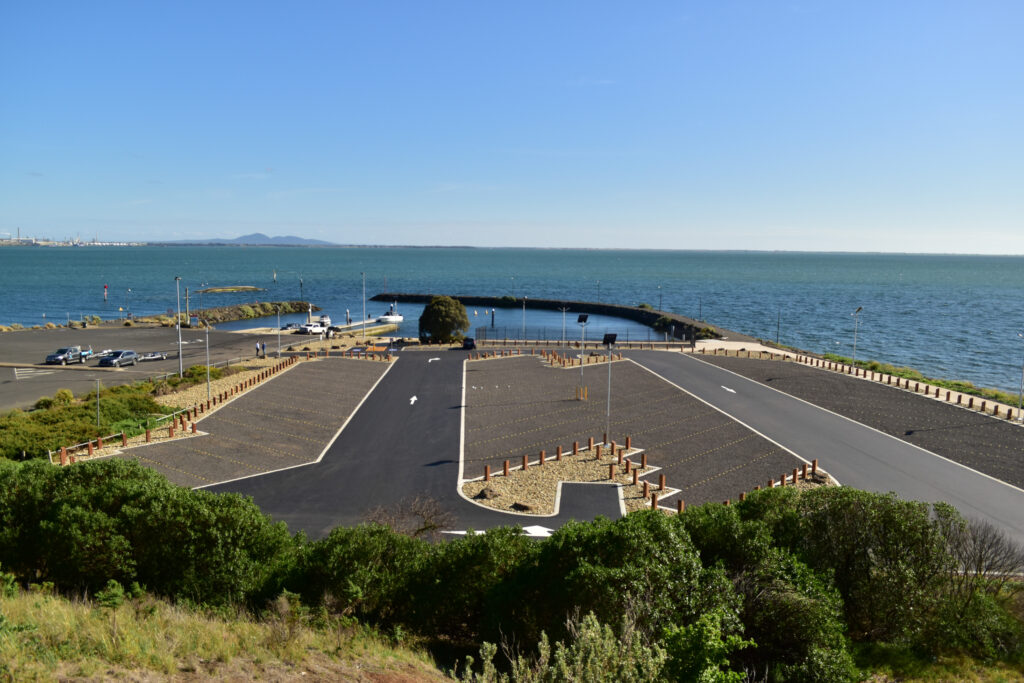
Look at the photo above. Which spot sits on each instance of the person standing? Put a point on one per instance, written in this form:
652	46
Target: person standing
257	348
264	345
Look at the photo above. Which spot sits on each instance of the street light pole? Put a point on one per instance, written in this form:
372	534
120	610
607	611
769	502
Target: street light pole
609	340
856	322
364	306
278	331
524	319
177	291
1020	397
206	324
582	320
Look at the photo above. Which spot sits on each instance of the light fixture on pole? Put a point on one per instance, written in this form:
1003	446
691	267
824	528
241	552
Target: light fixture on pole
609	341
364	306
582	321
856	323
177	291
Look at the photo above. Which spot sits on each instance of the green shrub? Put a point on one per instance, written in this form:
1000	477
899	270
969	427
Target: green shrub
63	397
699	651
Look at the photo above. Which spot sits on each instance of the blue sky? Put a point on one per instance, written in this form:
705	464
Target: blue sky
817	126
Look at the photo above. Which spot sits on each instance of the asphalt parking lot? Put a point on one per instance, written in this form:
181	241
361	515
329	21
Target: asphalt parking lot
519	406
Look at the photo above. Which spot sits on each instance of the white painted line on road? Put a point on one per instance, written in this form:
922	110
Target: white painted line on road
849	419
25	373
731	391
412	400
431	360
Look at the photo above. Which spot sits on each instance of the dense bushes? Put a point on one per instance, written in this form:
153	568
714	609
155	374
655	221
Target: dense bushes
775	588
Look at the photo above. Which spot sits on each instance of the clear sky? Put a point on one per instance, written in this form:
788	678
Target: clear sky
803	125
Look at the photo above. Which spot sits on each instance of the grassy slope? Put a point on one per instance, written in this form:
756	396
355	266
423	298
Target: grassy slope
46	637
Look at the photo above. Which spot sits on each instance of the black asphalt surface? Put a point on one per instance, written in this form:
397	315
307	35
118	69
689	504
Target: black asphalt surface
395	449
855	454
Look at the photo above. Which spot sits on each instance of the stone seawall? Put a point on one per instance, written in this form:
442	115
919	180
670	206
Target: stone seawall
684	328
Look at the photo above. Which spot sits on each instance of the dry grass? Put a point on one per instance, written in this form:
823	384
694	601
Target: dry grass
47	637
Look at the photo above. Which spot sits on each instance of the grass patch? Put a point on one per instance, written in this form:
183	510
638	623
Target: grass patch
49	637
962	386
892	662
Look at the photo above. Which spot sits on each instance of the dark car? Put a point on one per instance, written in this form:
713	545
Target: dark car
468	344
119	358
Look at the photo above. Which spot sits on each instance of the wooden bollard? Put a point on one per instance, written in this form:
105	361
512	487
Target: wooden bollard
661	482
782	480
629	442
575	447
983	406
526	463
504	470
620	456
124	439
605	439
727	502
794	475
193	427
149	436
99	444
970	402
170	431
771	483
804	473
629	465
611	470
654	501
743	496
680	506
643	460
590	444
542	457
636	476
947	396
487	472
597	450
814	466
558	454
613	447
63	455
647	489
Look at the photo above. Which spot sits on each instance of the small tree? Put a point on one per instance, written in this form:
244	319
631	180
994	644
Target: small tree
443	320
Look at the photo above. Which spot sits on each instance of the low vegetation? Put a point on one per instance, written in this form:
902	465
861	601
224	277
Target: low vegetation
962	386
821	585
64	420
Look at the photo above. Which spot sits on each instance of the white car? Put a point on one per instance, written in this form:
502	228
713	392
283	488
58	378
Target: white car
312	328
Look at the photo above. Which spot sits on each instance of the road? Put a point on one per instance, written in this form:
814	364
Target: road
854	454
395	448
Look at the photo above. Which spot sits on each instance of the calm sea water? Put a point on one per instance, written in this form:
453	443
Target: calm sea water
950	316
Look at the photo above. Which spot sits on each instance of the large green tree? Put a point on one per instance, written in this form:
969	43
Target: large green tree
443	320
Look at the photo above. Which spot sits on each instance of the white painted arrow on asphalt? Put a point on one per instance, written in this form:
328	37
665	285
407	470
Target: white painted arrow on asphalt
537	531
431	360
731	391
412	400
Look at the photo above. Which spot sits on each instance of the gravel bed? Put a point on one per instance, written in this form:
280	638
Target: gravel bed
985	443
520	405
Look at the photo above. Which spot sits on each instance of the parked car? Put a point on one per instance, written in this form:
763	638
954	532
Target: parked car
69	354
120	358
312	328
153	355
290	327
468	344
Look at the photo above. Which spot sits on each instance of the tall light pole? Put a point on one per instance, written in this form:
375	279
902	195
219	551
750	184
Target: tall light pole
177	291
278	331
582	320
563	310
856	323
609	341
524	319
364	306
1020	397
206	324
128	302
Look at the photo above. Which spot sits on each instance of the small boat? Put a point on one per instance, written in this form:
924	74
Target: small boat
392	316
325	320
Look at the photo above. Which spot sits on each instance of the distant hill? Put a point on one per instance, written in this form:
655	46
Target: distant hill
259	239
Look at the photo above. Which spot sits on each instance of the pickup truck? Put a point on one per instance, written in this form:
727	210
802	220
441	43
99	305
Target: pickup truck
69	354
312	328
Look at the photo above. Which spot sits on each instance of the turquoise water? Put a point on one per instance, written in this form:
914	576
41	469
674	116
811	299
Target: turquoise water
948	315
